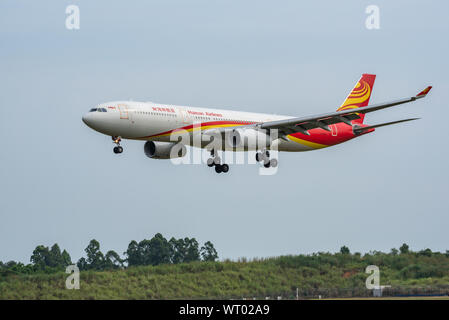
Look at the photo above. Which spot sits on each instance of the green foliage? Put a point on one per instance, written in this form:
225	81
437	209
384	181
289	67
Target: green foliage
41	256
82	264
113	261
427	252
153	252
404	249
208	252
158	251
179	250
161	269
133	253
192	251
65	258
44	258
394	251
344	250
331	275
417	271
95	258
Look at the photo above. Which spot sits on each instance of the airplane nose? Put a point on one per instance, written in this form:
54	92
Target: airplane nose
87	119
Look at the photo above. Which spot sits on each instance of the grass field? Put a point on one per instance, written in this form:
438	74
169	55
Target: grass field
328	275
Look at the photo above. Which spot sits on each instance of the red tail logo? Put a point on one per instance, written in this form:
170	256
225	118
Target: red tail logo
359	96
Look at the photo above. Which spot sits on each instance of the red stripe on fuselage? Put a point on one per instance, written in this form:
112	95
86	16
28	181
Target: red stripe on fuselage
341	132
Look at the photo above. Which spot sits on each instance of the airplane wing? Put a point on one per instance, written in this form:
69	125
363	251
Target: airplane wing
303	124
323	121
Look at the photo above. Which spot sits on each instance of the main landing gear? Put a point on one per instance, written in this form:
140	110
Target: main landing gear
215	160
117	149
264	157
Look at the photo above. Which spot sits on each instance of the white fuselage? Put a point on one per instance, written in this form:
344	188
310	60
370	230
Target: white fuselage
154	121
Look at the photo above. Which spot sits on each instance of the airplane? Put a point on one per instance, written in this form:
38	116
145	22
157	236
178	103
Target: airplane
226	130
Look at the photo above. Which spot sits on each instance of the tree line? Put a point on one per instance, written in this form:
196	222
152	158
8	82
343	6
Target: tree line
155	251
158	250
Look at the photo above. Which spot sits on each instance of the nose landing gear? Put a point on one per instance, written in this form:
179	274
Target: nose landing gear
117	149
215	160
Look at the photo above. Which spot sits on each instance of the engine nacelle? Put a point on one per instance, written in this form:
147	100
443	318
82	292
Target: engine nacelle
247	139
164	150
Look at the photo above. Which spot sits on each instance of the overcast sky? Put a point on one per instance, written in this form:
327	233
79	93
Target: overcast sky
61	183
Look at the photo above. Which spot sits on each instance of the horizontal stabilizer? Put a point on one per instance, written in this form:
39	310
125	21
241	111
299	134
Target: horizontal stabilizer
362	129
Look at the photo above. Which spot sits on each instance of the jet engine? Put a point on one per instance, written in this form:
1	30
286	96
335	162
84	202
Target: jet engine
164	150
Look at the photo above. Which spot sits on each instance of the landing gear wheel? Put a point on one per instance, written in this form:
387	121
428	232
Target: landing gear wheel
273	163
218	168
267	164
217	160
210	162
118	149
264	155
224	168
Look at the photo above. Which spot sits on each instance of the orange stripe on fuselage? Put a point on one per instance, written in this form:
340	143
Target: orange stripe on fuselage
199	126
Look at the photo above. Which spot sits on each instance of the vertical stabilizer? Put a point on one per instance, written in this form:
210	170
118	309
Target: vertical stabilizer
360	95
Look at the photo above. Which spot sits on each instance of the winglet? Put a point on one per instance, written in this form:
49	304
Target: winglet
424	92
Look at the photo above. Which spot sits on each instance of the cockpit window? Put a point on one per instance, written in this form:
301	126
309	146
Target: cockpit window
98	110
